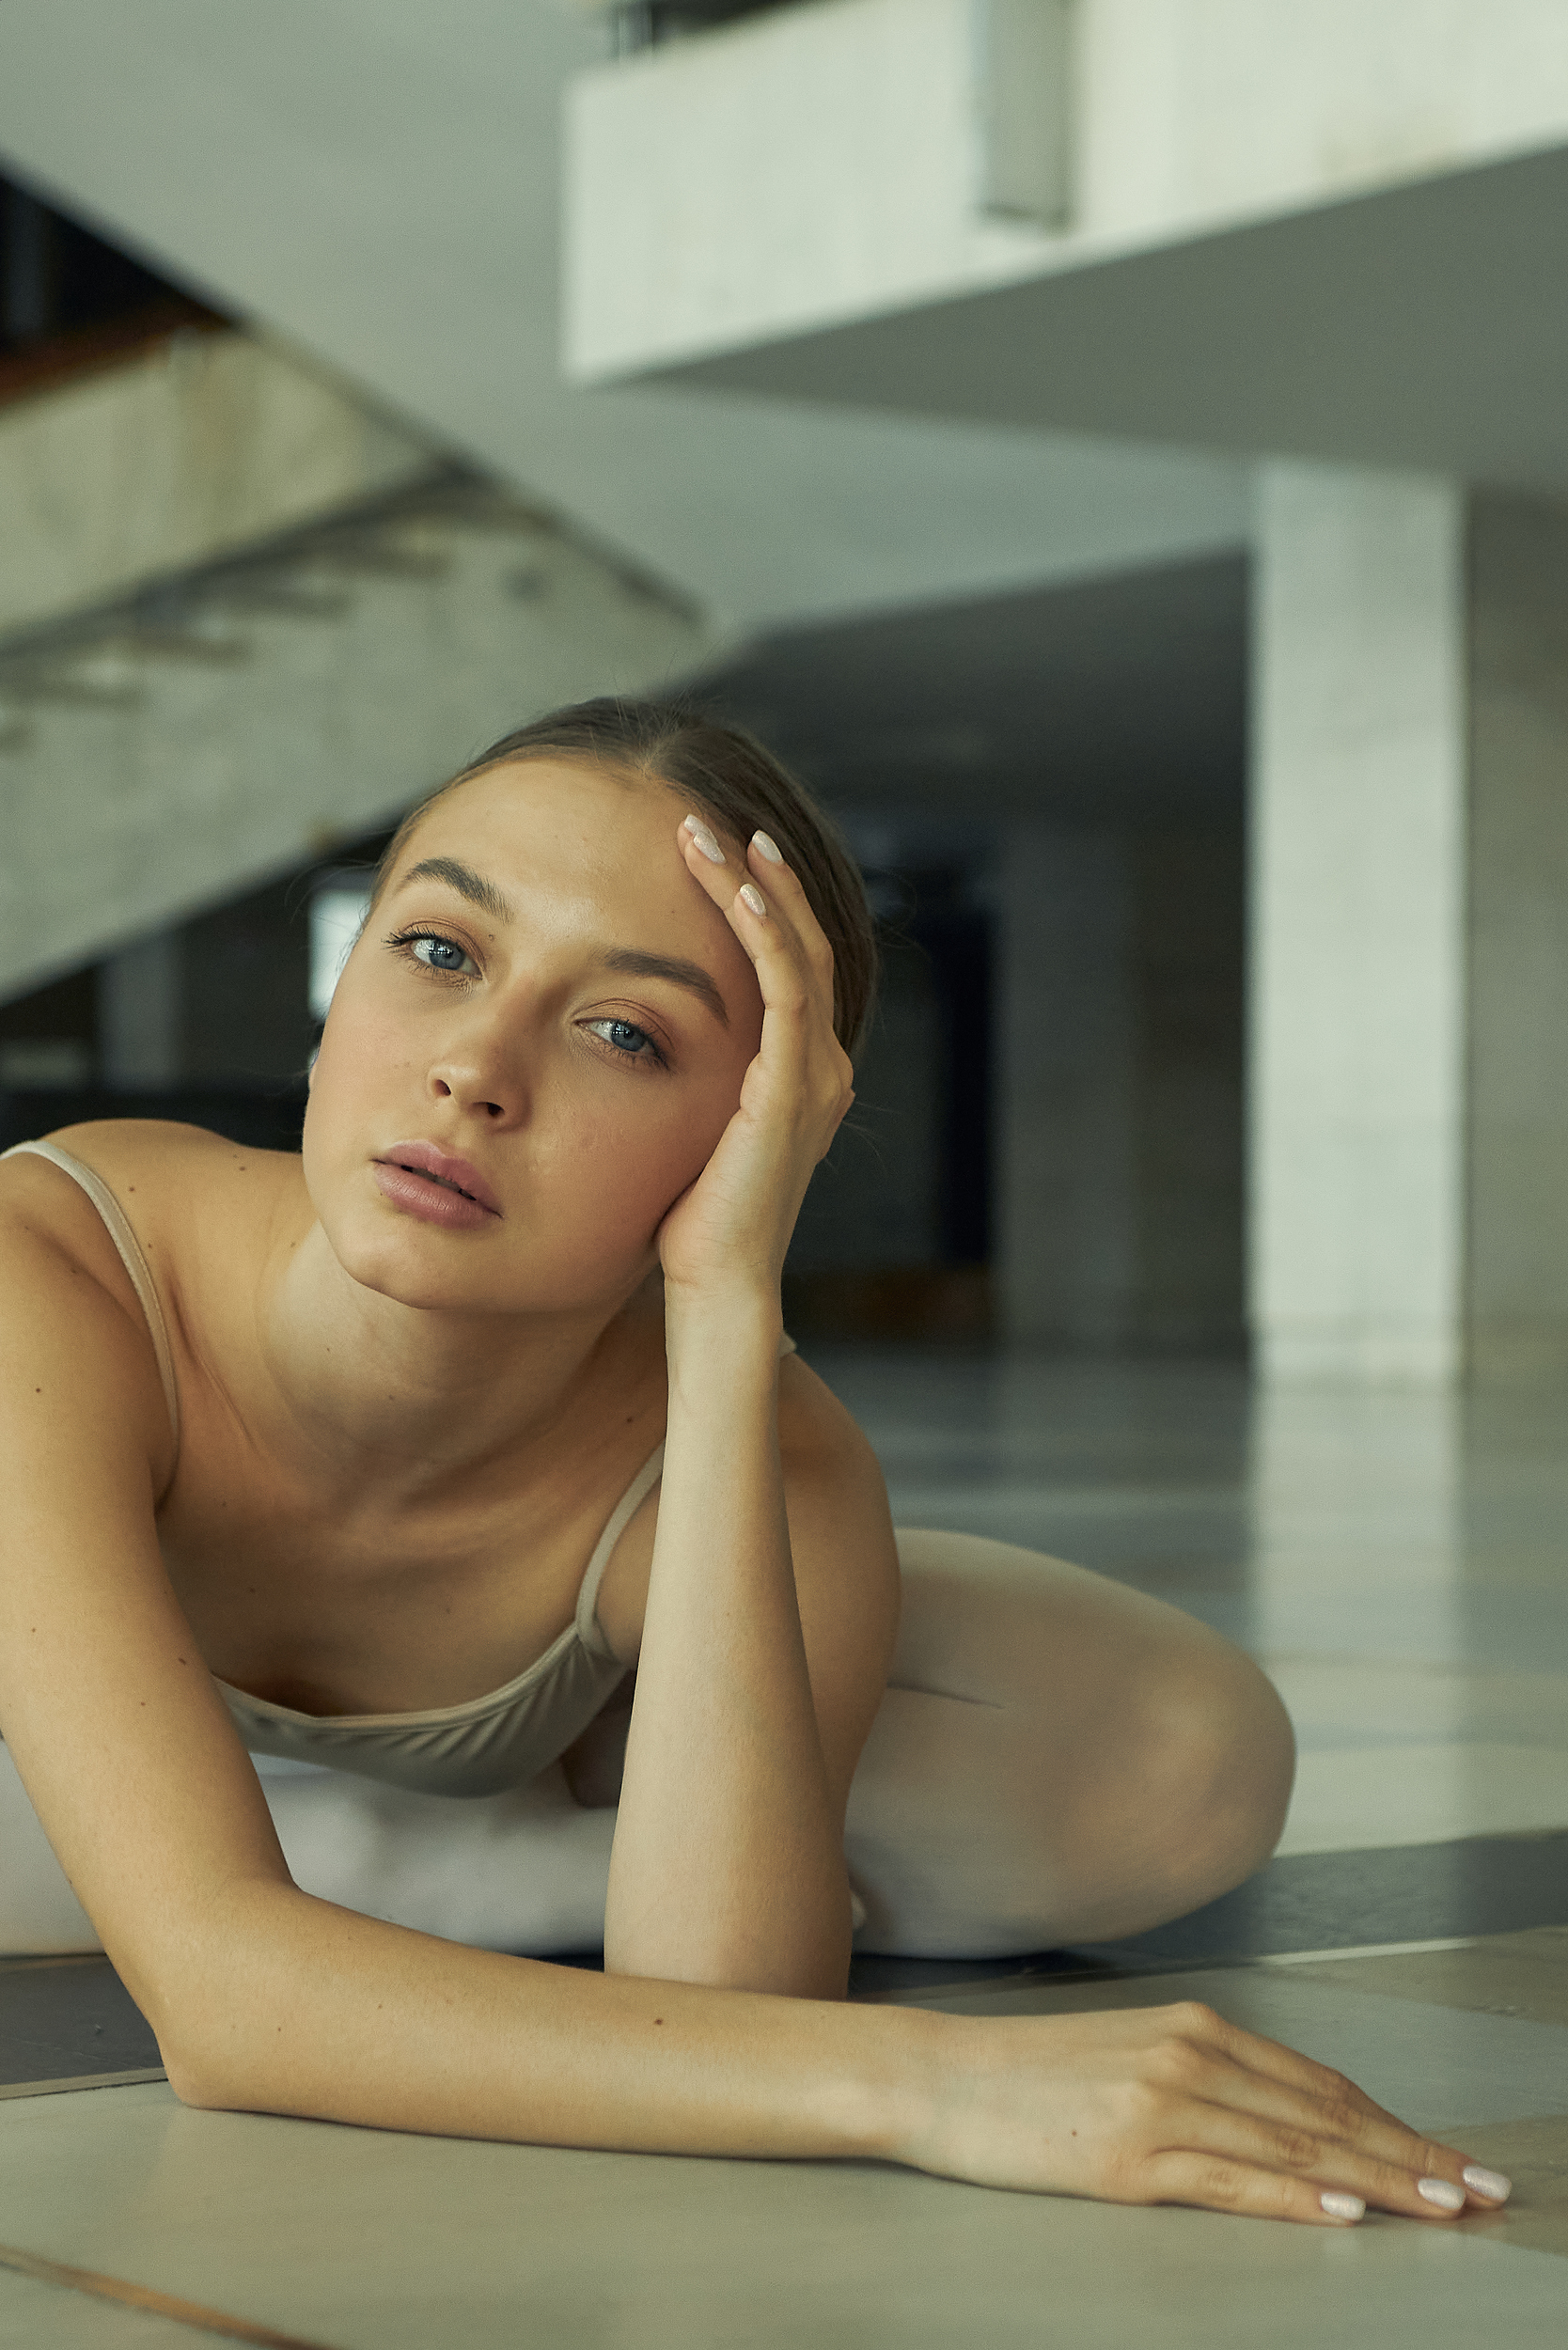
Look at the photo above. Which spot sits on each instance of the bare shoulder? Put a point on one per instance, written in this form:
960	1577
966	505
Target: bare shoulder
170	1178
186	1193
817	1435
158	1155
70	1324
841	1529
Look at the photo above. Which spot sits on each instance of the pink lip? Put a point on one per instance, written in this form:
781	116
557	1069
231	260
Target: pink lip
430	1184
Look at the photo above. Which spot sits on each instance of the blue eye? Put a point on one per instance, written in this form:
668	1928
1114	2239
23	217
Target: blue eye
434	952
629	1041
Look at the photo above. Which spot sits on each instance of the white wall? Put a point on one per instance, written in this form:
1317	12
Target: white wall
824	164
1357	912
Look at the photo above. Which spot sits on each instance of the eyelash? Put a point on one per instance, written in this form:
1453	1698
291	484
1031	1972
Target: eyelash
405	942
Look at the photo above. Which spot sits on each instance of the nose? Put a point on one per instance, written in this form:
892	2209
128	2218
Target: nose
473	1072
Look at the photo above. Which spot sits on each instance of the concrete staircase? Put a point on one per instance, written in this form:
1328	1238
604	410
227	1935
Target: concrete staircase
252	683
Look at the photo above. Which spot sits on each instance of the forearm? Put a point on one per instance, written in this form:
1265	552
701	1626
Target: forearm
286	2004
728	1865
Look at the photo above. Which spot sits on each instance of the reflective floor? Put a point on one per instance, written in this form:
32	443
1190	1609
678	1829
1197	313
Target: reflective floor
1397	1562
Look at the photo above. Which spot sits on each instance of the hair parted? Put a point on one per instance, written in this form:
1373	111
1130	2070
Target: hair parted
728	776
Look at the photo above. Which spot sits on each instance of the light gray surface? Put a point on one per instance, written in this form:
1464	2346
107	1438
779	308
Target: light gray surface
1375	1524
35	2316
393	2240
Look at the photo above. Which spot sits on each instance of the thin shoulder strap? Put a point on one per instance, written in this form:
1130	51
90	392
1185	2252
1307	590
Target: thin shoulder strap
119	1227
625	1510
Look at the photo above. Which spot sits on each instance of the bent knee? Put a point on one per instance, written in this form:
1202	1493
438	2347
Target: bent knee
1226	1758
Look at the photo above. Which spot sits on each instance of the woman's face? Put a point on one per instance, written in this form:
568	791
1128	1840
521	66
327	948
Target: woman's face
543	994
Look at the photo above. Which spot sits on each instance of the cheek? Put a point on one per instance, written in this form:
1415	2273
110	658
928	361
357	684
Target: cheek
628	1164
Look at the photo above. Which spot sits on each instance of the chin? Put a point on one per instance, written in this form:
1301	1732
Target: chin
433	1271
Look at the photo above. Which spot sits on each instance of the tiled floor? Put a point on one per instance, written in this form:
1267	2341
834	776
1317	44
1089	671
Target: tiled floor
1399	1564
1398	1561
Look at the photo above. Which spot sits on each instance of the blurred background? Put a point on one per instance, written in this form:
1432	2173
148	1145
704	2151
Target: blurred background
1112	448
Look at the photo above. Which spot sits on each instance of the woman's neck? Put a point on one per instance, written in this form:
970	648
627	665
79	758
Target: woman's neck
403	1400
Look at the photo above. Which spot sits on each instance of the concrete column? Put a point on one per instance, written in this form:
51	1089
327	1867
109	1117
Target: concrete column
140	1023
1517	1270
1358	898
1066	1250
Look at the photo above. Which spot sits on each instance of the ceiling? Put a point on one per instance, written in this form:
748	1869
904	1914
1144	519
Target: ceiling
1120	698
377	181
1424	326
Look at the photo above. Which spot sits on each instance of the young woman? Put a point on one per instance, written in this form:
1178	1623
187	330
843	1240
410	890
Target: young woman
403	1456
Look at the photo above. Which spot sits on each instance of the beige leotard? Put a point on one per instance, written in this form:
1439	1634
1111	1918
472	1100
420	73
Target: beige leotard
476	1748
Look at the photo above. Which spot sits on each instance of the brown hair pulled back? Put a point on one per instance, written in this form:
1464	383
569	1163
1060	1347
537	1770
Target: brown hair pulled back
728	776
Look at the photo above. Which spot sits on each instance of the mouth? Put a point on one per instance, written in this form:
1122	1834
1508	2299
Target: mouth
442	1173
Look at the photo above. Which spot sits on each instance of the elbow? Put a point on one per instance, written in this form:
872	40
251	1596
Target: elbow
194	2083
207	1993
205	2060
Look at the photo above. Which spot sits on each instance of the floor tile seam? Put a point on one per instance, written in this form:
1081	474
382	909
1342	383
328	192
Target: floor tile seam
25	1964
149	2301
1137	1968
68	2083
1455	1741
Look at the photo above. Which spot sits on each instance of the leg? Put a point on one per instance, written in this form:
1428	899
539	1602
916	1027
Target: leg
524	1870
1058	1759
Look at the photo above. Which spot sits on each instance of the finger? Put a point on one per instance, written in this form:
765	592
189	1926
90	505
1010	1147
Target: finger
762	926
1344	2116
1328	2162
1209	2182
784	886
779	892
1276	2084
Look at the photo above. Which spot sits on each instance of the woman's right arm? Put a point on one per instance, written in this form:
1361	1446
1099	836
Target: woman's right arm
263	1996
267	1998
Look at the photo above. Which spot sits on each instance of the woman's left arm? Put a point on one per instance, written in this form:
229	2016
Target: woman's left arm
772	1595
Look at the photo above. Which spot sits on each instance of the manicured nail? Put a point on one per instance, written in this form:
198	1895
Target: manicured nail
705	841
1438	2191
754	899
1343	2206
1490	2184
767	848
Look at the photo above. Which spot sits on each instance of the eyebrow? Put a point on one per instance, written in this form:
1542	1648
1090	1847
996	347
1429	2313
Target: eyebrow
672	967
634	960
467	884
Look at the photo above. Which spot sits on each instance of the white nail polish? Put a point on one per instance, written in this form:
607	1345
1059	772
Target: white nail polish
705	841
1488	2183
767	848
754	899
1438	2191
1343	2206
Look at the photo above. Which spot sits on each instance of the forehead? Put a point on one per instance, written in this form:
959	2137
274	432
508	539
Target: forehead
553	821
579	846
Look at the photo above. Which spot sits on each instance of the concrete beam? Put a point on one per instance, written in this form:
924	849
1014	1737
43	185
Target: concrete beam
149	781
202	444
1308	229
